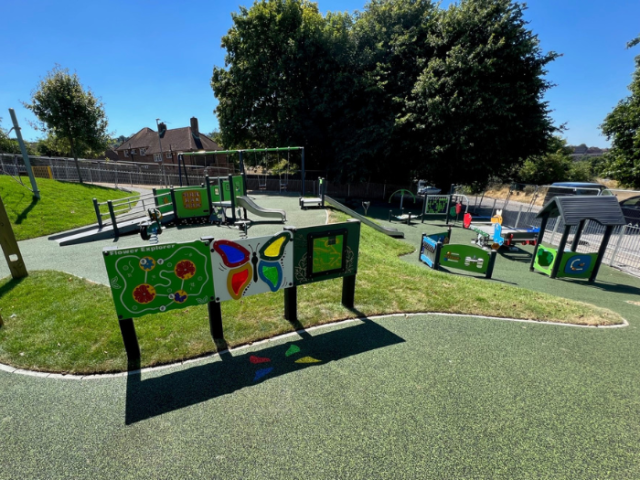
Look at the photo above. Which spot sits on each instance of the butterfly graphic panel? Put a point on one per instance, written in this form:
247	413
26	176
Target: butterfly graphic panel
252	265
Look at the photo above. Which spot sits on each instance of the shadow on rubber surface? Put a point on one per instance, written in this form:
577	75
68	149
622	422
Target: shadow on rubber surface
173	391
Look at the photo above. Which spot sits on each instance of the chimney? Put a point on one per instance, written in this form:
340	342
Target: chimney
194	128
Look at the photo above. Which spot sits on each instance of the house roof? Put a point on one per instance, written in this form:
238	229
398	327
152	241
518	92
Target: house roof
603	209
176	139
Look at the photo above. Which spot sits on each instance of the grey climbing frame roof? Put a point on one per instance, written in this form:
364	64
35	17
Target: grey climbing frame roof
603	209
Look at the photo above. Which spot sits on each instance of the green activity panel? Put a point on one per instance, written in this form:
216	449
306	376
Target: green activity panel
464	257
192	202
572	264
238	186
163	200
159	278
325	252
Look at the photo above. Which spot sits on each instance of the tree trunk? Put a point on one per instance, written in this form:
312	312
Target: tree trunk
75	157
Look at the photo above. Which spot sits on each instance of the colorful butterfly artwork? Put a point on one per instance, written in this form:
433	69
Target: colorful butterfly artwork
258	259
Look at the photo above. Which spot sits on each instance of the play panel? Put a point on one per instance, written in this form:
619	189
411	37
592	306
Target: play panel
159	278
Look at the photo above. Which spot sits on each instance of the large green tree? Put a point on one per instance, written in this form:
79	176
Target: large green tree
70	113
401	89
622	127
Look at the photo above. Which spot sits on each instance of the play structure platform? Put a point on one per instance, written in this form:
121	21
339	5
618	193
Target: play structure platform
214	202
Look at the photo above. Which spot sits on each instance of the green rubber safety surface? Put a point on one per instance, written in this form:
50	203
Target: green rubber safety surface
398	397
416	397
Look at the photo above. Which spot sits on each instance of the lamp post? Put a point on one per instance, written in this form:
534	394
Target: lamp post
164	176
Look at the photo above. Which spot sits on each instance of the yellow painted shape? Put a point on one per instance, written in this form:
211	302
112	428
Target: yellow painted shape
308	360
273	250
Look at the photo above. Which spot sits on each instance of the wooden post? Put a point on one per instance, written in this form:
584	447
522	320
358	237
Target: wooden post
10	246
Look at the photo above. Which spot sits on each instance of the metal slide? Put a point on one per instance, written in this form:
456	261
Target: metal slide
248	204
392	232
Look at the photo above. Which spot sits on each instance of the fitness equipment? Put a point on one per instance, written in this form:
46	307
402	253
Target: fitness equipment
314	202
402	217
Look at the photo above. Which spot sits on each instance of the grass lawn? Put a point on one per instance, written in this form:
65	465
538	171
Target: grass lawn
60	323
62	206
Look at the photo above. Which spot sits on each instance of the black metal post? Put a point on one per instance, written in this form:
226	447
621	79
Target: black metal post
601	252
349	291
176	217
302	155
232	194
207	183
492	262
113	218
543	227
215	320
155	196
130	339
447	212
561	247
436	262
97	209
576	237
291	304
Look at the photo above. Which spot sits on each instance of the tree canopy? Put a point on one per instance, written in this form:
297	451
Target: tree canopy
69	113
622	127
399	90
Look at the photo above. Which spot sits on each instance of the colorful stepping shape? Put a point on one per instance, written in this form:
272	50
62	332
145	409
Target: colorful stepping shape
308	360
293	349
253	359
263	372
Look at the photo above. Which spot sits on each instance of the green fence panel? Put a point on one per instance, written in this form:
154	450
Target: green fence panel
159	278
238	186
215	192
192	202
577	265
464	257
325	252
163	199
544	259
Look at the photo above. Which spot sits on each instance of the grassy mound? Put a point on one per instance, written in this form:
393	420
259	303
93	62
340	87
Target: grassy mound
60	323
62	206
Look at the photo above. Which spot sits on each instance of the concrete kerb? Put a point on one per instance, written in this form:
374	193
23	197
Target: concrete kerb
297	334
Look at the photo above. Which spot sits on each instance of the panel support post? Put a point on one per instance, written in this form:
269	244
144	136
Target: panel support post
576	237
543	227
601	252
97	209
302	161
348	291
291	304
492	262
561	247
447	212
114	222
436	263
130	339
215	320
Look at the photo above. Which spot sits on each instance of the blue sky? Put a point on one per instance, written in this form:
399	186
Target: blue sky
149	60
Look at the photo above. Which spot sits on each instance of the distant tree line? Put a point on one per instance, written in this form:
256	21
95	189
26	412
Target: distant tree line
402	90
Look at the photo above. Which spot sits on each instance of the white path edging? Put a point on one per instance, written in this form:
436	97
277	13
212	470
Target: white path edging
59	376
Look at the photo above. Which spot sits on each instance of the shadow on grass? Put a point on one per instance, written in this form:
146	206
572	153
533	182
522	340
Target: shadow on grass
10	285
173	391
25	213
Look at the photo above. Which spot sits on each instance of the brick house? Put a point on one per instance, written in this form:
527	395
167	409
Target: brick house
144	146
